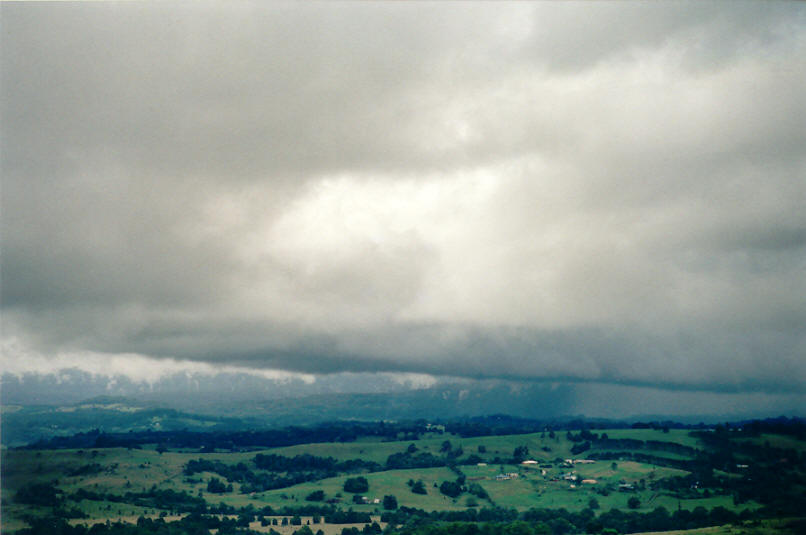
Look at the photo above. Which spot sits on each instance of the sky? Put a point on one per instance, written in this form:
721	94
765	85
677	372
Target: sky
605	193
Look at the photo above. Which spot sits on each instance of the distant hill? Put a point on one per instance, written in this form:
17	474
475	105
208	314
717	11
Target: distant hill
71	401
175	409
358	396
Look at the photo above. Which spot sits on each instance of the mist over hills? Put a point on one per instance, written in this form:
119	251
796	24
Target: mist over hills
74	385
350	396
42	405
38	405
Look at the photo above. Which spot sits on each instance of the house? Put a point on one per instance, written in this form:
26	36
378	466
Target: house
530	461
502	477
588	481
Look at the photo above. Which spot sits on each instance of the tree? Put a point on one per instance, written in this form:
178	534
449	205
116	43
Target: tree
418	487
39	494
356	484
316	496
633	503
473	459
561	526
593	503
594	526
216	486
372	529
518	527
450	489
520	453
541	528
576	449
478	490
446	446
389	502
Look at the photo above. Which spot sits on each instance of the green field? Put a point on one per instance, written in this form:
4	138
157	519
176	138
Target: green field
551	482
676	436
139	470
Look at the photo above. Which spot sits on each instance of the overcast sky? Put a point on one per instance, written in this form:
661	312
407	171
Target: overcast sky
599	192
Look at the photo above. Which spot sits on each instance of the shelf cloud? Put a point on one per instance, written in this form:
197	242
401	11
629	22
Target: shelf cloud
605	193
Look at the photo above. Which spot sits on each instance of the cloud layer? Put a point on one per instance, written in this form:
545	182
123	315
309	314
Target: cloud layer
605	193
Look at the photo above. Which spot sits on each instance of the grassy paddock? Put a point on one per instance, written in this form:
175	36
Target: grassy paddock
380	484
131	470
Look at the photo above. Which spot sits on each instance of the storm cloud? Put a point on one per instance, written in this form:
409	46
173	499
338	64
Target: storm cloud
608	192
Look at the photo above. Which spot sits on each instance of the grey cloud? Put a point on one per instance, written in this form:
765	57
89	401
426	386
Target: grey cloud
606	193
243	91
577	35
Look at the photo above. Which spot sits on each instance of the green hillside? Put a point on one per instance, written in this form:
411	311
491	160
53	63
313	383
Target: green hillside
628	470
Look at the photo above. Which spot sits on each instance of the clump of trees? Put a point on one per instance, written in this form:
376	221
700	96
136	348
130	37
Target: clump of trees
356	484
39	494
452	489
477	490
417	487
520	454
315	496
216	486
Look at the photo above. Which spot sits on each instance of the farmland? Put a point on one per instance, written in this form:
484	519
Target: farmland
618	471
